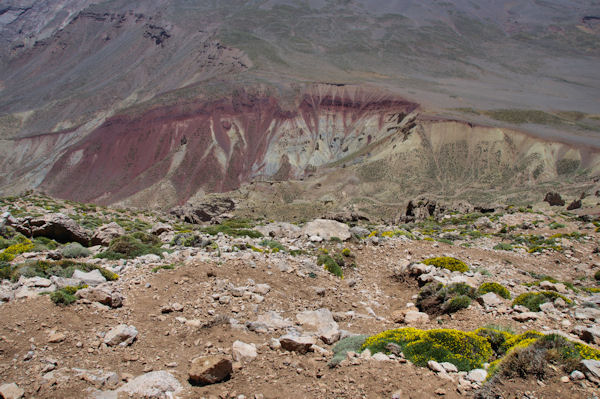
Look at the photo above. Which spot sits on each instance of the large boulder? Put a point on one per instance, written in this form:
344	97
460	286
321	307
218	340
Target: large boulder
92	278
575	204
297	344
554	199
209	370
280	229
203	212
56	226
106	233
327	229
11	391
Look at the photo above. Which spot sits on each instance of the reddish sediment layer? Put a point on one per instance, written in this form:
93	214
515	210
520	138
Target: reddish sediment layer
221	141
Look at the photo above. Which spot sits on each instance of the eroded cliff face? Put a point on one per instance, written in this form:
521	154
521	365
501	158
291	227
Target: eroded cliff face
216	146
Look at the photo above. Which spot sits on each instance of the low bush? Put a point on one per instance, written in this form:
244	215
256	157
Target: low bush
275	246
447	262
166	267
503	246
494	287
128	247
466	350
66	295
74	250
533	300
436	298
233	228
348	344
330	265
12	251
597	275
46	269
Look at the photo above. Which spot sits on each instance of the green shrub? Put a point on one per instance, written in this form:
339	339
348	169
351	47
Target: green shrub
233	228
60	297
128	247
273	245
23	245
556	225
494	336
348	344
66	295
503	246
44	243
146	238
330	265
494	287
466	350
166	267
457	303
533	300
436	298
447	262
597	275
74	250
46	269
346	252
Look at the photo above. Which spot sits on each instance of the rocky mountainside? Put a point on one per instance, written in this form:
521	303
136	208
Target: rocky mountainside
157	102
479	303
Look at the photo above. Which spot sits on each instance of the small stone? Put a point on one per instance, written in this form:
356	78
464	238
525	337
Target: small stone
440	392
577	375
209	370
477	375
435	366
380	357
449	367
526	316
297	344
564	379
122	335
55	338
243	352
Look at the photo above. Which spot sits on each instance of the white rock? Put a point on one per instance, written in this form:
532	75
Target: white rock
122	335
380	357
243	352
490	299
435	366
449	367
326	229
320	320
156	384
477	375
414	317
92	278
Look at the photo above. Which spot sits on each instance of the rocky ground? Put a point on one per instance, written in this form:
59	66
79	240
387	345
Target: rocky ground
215	313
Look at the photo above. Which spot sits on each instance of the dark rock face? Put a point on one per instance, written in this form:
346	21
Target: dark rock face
56	226
554	199
576	204
203	212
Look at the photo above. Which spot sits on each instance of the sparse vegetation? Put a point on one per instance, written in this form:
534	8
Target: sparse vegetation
74	250
233	228
66	295
533	300
447	262
46	269
436	298
348	344
128	247
494	287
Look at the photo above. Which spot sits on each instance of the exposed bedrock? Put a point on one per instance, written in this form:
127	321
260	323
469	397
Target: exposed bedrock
216	146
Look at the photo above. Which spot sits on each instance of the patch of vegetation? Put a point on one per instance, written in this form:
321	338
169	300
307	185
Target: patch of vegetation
533	300
543	277
597	275
348	344
447	262
495	336
503	246
436	298
46	269
66	295
74	250
44	244
330	265
494	287
129	247
556	225
531	357
275	246
9	254
466	350
166	267
233	228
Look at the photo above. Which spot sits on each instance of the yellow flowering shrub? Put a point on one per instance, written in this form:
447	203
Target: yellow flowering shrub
516	340
466	350
447	262
11	252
